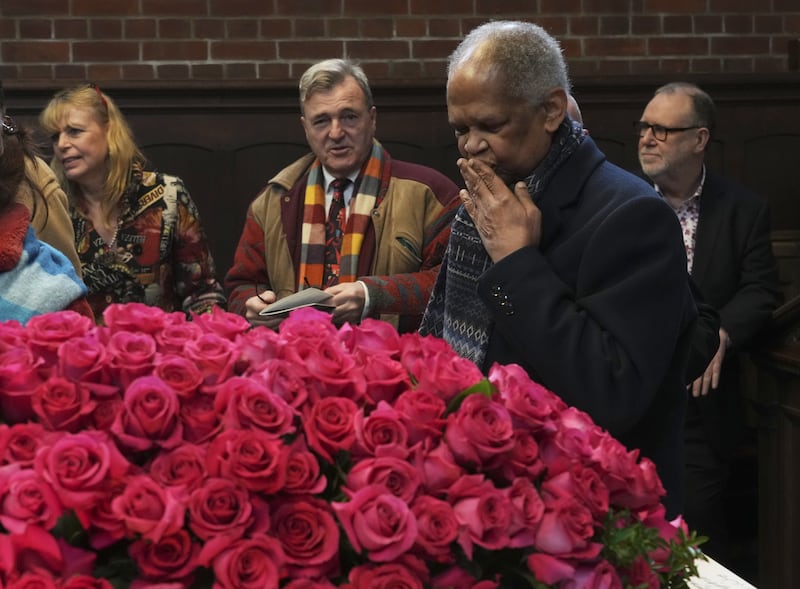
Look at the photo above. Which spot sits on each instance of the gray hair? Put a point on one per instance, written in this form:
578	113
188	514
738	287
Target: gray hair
705	112
525	56
327	74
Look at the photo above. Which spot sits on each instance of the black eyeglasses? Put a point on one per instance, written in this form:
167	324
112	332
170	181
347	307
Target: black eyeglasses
660	132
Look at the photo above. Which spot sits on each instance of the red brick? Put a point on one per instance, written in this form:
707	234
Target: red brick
72	28
444	27
771	64
208	71
792	24
242	50
784	5
614	47
35	72
306	7
9	72
431	50
105	28
451	7
411	27
48	8
304	50
675	66
240	71
273	71
677	25
174	50
738	24
583	67
408	70
209	28
739	45
140	28
377	28
32	52
764	23
172	72
571	47
584	25
560	6
138	71
707	24
740	6
677	46
68	71
644	66
174	28
707	65
35	29
614	25
606	6
8	29
675	6
103	51
103	73
613	67
740	65
435	70
555	25
646	25
95	8
378	50
343	27
189	8
242	28
502	8
369	7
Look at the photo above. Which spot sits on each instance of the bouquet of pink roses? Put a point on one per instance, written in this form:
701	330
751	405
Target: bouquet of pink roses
153	451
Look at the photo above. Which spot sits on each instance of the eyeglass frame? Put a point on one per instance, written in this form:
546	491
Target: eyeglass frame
642	127
9	126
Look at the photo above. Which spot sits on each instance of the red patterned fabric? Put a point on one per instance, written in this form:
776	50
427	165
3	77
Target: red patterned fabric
334	231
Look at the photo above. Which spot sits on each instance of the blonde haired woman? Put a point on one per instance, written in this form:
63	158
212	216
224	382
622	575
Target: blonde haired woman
137	232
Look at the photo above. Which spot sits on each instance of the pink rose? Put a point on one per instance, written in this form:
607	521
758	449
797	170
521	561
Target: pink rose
37	579
171	558
530	405
182	469
309	325
399	477
381	430
103	526
385	378
251	563
303	583
132	355
46	333
180	373
80	467
256	346
483	511
436	367
642	575
19	443
422	412
595	576
21	372
12	336
328	425
172	338
309	537
631	483
303	475
149	417
371	337
330	370
86	360
550	569
384	576
566	529
437	529
222	323
220	509
523	459
200	421
479	431
148	509
214	355
437	466
582	483
527	511
378	523
575	439
453	577
62	404
86	582
250	458
26	499
35	550
134	317
105	412
284	379
244	403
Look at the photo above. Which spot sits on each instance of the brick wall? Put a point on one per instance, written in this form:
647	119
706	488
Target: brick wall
50	42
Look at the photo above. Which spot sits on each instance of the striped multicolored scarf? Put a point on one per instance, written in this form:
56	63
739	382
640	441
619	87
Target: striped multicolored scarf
455	311
312	251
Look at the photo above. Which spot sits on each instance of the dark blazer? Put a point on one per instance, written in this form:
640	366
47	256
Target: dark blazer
736	272
601	312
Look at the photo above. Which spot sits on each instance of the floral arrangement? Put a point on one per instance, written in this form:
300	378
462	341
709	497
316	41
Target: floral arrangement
156	451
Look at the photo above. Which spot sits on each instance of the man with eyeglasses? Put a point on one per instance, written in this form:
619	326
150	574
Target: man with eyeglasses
388	221
726	234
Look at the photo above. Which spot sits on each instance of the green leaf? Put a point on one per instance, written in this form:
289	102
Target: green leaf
483	387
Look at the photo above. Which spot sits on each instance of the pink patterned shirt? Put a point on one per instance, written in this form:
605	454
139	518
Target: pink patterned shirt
688	214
